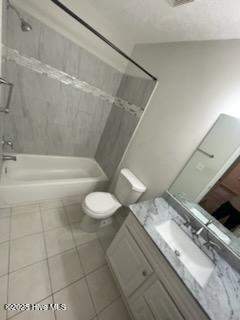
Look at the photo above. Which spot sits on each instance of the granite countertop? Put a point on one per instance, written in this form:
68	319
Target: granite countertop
220	298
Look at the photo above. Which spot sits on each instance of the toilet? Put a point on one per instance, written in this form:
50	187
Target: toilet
102	205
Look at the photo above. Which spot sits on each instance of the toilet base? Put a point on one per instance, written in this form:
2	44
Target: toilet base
92	225
106	222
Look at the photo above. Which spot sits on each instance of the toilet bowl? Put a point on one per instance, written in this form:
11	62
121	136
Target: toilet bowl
102	205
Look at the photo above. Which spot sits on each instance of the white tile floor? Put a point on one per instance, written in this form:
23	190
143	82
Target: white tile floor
45	257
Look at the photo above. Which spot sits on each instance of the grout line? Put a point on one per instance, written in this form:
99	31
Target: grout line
71	204
27	204
49	273
5	240
119	297
6	217
76	246
29	265
47	258
25	236
25	212
90	295
87	274
37	302
55	255
89	291
69	285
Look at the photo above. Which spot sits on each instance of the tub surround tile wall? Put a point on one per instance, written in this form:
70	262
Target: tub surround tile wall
121	125
67	79
48	116
136	90
220	297
64	95
3	72
114	140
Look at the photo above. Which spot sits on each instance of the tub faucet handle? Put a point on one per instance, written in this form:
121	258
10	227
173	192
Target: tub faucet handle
10	143
7	142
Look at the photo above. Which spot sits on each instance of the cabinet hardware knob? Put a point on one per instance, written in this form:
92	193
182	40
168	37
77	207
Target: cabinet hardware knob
144	273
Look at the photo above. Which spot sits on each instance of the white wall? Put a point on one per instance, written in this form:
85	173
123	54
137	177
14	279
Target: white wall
197	82
57	19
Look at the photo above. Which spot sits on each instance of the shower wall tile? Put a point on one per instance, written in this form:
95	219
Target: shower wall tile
115	138
48	117
3	74
121	124
50	47
27	43
136	90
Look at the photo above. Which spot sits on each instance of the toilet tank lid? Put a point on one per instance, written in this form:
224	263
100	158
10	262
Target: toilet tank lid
137	185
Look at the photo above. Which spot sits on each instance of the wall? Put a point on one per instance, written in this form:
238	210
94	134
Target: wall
66	100
2	32
49	14
121	125
48	116
197	82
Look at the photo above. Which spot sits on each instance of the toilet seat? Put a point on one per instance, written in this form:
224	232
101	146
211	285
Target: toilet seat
100	205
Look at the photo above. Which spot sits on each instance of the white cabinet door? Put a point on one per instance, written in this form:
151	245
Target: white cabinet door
128	262
160	303
141	310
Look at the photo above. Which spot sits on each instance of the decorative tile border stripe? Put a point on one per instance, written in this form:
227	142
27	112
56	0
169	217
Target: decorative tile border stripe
53	73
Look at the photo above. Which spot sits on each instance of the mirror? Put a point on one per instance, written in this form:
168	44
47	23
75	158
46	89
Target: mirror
211	178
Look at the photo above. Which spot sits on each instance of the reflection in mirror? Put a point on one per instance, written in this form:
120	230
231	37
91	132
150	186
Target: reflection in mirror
211	178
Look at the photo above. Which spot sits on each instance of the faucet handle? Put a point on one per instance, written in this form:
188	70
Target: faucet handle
209	222
209	244
10	143
3	141
7	142
187	223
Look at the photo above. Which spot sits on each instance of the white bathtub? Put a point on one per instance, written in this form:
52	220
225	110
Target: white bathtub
33	178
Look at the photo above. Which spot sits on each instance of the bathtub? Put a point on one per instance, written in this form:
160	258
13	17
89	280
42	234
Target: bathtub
33	178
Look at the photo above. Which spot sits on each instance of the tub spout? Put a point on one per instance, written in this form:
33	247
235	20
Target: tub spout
7	157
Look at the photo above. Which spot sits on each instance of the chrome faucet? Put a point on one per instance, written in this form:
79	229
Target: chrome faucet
6	157
199	231
5	142
187	223
209	244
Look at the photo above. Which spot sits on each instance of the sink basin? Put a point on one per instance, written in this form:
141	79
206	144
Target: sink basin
192	257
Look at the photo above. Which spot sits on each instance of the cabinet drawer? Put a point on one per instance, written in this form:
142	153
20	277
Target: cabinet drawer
128	262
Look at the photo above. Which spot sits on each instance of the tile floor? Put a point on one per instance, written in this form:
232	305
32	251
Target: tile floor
45	257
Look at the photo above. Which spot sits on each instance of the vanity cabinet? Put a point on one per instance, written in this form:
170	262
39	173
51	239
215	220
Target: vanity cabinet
154	303
150	287
128	262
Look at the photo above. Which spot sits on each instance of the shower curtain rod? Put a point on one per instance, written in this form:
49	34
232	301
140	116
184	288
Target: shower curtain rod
99	35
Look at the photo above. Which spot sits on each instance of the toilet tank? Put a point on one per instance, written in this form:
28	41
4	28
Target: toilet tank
128	188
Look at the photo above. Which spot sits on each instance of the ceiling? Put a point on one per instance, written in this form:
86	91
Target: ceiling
146	21
130	22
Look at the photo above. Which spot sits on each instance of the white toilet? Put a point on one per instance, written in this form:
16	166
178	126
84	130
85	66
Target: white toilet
102	205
